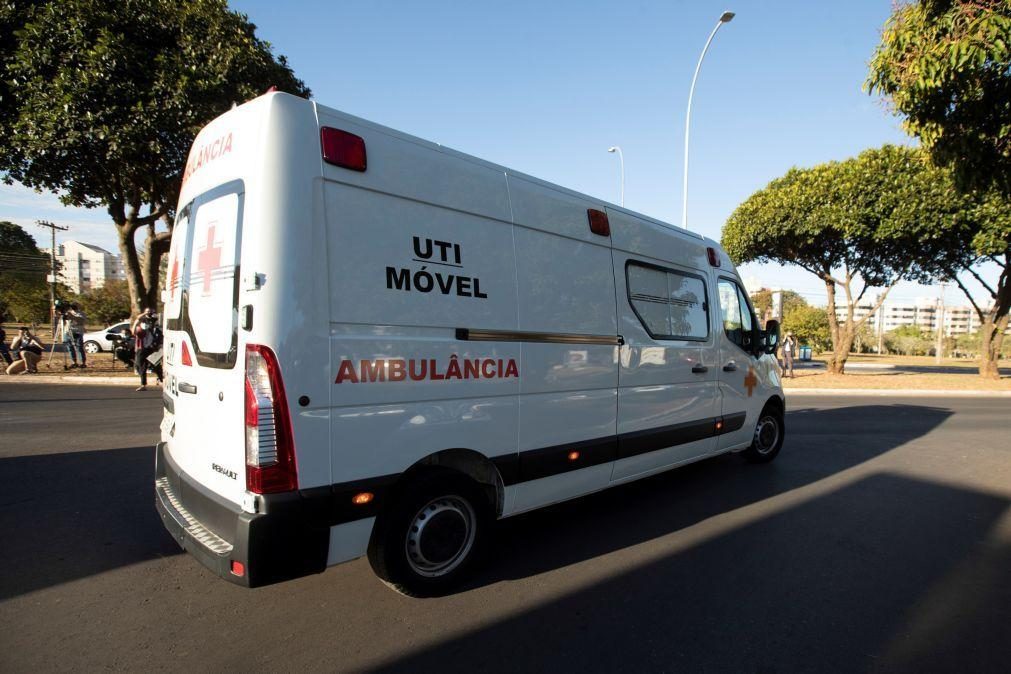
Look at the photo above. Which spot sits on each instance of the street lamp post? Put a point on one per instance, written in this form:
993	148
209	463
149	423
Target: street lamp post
621	162
724	18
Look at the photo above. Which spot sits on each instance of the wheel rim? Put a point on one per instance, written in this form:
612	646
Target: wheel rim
91	347
440	536
766	435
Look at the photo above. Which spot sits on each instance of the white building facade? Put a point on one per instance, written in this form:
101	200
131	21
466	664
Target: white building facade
85	267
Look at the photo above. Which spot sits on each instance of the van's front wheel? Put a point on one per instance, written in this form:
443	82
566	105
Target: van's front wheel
768	439
431	535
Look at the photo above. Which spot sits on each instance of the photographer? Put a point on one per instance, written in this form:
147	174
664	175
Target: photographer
145	332
72	327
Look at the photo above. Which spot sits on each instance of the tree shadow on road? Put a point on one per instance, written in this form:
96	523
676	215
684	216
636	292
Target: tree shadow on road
819	443
72	515
886	573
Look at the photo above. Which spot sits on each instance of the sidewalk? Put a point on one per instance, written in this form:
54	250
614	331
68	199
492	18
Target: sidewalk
896	393
100	380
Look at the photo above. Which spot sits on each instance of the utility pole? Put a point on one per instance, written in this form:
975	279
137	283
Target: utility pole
940	328
52	281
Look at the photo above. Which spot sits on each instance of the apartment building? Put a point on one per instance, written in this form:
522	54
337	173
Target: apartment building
84	267
923	313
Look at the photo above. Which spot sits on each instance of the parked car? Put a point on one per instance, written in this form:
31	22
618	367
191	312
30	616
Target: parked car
97	341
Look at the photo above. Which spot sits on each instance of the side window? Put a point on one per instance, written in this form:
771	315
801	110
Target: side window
669	304
737	319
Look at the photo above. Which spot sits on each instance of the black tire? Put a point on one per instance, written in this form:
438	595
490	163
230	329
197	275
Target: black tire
769	433
459	508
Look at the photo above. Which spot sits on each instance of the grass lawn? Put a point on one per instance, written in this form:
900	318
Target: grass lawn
885	379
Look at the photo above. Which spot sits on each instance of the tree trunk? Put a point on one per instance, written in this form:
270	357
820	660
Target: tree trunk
155	246
131	265
991	340
834	365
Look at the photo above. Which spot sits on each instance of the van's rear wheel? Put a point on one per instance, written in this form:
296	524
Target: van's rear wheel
768	438
431	535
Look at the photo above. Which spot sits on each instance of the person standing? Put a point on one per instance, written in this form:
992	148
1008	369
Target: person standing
789	351
143	330
73	335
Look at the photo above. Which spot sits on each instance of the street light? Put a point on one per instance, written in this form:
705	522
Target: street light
724	18
621	161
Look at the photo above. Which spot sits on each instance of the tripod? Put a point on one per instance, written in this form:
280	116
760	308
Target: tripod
61	328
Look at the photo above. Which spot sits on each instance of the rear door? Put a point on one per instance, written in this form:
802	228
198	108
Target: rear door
203	424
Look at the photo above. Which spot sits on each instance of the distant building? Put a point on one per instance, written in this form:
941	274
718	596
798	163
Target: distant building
84	267
923	313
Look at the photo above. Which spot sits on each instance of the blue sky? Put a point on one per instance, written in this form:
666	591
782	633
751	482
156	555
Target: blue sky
546	88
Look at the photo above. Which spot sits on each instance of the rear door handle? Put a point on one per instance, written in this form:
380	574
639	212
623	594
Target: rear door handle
187	388
700	369
730	367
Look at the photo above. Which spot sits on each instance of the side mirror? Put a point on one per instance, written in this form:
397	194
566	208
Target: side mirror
770	341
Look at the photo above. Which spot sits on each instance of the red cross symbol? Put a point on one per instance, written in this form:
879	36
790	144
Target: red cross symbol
174	282
208	260
750	381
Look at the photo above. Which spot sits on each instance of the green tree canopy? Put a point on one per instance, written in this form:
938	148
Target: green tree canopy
862	223
943	64
944	67
107	304
100	101
23	270
809	325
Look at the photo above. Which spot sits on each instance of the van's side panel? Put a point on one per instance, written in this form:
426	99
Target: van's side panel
423	250
660	398
568	390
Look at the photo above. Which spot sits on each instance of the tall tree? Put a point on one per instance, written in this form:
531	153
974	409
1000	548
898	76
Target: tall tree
23	270
100	101
856	225
943	66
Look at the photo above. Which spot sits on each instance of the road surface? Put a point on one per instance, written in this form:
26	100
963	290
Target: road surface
880	540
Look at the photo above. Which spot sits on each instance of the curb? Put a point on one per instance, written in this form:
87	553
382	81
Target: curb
898	393
57	379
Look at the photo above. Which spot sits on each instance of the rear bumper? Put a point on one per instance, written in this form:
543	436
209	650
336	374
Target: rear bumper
287	540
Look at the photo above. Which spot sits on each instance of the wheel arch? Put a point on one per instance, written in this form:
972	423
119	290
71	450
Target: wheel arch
470	463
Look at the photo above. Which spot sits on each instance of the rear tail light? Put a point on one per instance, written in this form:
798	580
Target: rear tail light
598	222
186	358
343	149
270	446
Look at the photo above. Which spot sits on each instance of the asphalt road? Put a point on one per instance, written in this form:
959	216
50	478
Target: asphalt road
880	540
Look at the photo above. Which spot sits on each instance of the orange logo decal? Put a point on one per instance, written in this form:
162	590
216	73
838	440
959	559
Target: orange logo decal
750	381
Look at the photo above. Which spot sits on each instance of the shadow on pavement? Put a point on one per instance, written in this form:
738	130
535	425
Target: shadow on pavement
886	573
819	443
72	515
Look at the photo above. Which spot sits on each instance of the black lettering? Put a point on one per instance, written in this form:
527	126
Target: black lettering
463	286
456	252
428	248
443	246
398	278
477	289
423	277
446	286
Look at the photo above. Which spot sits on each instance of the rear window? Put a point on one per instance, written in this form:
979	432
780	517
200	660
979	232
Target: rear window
204	272
670	304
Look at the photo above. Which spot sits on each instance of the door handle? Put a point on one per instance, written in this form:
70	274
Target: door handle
730	367
700	369
187	388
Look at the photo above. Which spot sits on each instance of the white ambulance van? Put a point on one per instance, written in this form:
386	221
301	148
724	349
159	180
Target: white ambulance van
376	345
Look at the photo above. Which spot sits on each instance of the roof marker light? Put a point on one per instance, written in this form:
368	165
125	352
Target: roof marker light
343	149
598	222
714	256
